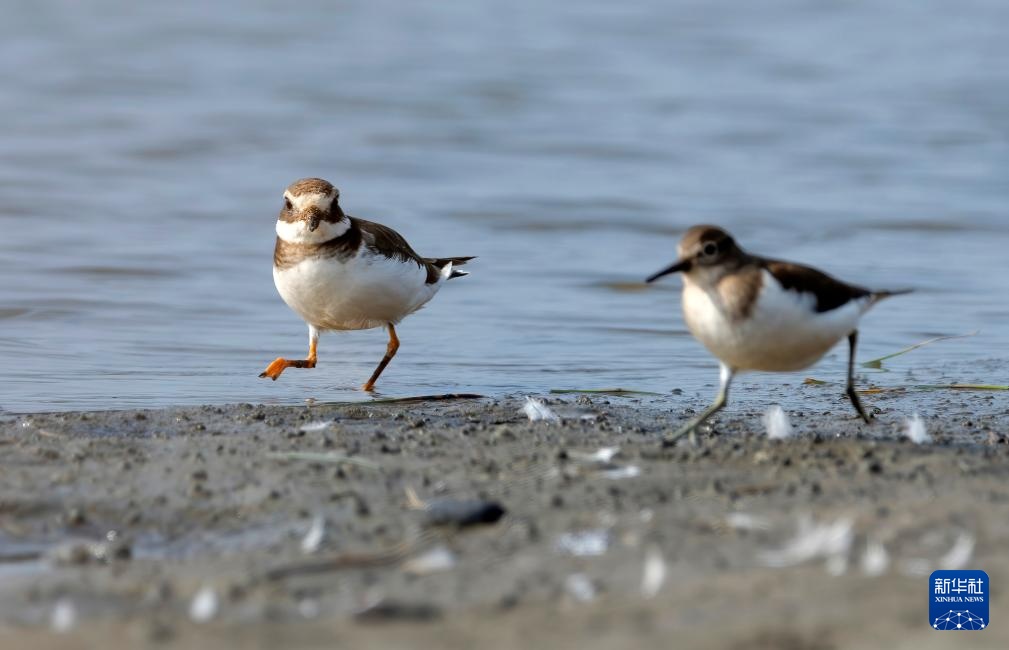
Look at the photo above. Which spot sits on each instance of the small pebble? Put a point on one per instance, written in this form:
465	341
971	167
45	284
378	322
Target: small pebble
442	512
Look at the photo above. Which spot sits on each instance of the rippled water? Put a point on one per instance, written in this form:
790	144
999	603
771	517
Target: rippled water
145	149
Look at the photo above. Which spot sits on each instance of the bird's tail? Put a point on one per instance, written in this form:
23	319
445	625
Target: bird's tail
882	295
447	265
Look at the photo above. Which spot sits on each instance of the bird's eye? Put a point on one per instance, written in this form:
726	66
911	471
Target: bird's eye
709	249
287	203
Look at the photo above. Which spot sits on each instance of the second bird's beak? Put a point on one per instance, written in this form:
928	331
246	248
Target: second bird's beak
313	221
679	265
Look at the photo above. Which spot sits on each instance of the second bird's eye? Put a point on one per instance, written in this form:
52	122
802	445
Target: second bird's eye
287	203
710	249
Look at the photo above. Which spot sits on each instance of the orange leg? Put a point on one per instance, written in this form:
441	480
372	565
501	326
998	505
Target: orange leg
390	352
281	364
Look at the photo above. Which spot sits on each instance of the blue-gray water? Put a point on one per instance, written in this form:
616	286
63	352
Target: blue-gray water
145	148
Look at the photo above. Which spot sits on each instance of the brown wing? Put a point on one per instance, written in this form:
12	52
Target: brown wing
830	292
389	243
386	241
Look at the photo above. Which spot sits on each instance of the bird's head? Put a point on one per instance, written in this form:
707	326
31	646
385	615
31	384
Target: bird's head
703	250
311	213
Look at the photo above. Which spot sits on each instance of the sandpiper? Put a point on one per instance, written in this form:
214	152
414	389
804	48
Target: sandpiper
342	273
755	313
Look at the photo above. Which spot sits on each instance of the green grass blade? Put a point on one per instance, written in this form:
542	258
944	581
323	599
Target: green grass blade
902	389
878	363
926	387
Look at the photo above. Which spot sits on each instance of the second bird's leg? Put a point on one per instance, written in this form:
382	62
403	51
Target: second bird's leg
390	352
280	364
725	375
851	392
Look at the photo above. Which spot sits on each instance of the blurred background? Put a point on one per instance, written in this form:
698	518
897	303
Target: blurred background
146	146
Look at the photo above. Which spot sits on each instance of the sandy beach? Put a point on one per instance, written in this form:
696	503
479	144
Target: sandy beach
270	526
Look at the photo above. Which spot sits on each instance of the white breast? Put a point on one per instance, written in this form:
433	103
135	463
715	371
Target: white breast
362	292
783	332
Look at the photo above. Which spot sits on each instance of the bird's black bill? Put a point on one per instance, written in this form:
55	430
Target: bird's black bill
313	222
681	265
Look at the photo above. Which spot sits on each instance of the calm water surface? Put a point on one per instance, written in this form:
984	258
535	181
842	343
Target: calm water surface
145	149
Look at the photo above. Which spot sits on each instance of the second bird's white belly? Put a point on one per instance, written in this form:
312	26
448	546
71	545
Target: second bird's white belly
362	292
783	331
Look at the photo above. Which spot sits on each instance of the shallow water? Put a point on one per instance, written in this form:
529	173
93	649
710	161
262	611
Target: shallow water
566	144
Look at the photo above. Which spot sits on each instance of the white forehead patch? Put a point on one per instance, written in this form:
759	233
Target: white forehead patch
308	200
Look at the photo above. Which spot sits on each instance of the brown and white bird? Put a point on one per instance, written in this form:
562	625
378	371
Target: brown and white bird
342	273
755	313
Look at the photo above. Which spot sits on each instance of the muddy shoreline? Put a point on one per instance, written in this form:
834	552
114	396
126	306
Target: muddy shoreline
263	525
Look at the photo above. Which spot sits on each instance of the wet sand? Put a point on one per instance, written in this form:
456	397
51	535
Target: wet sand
205	500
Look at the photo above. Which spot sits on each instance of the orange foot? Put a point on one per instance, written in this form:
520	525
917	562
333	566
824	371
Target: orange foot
281	364
390	352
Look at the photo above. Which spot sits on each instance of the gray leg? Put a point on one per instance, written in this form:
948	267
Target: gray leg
852	393
725	375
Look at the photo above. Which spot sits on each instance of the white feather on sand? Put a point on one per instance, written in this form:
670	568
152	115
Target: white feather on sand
654	572
958	556
314	537
312	427
537	411
830	540
64	616
746	521
435	560
204	605
914	429
776	423
579	586
601	456
876	560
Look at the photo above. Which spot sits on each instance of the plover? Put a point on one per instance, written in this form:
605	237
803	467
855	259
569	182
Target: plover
755	313
343	273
